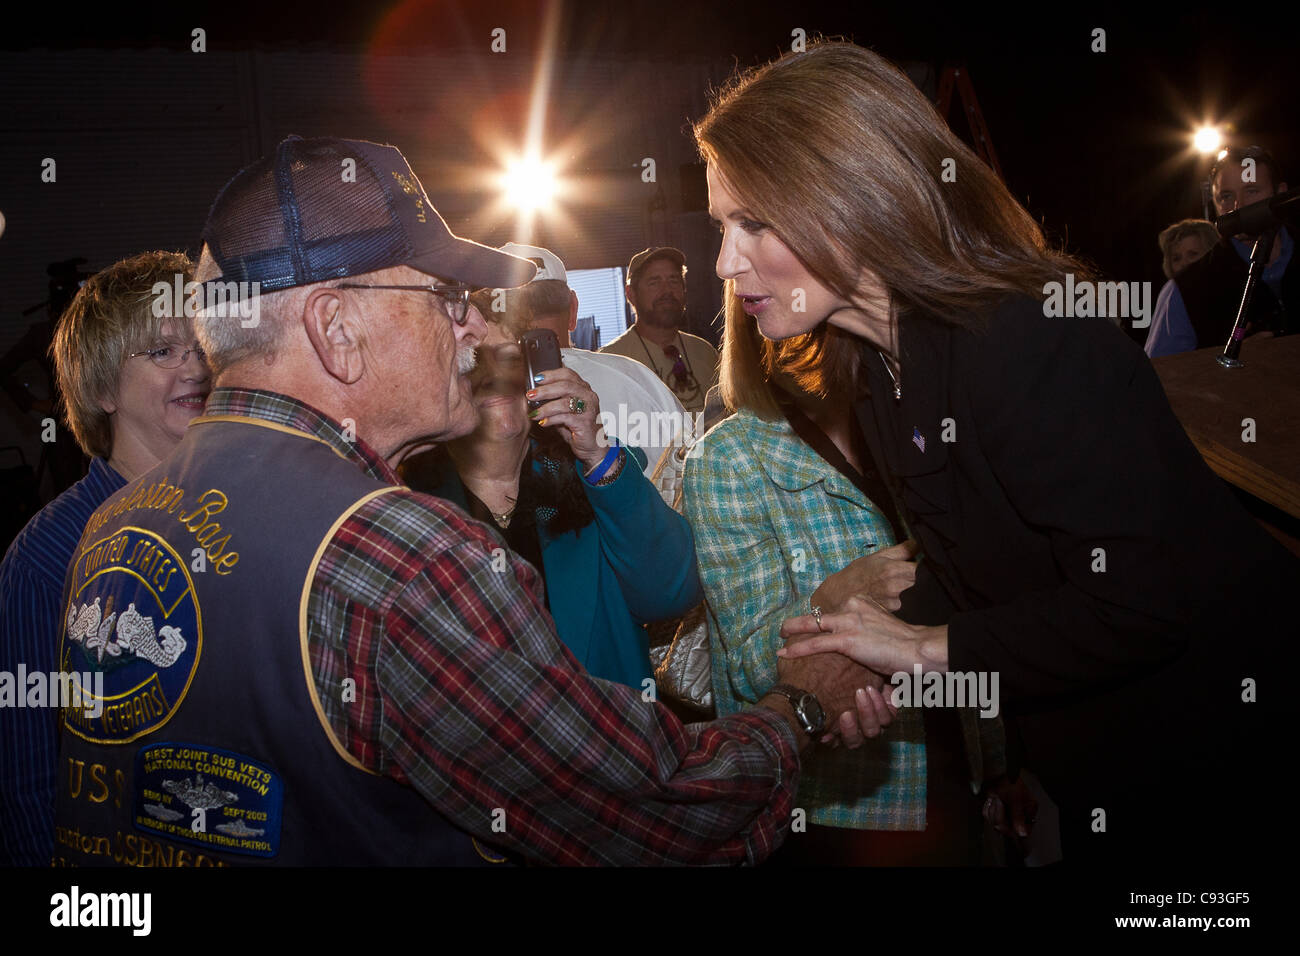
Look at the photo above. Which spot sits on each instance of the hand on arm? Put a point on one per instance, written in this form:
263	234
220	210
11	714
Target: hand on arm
748	579
882	576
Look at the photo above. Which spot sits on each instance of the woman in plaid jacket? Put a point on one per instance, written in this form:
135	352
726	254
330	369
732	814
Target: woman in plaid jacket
777	496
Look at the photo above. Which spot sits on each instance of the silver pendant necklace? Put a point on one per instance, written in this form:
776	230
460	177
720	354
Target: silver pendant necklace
898	389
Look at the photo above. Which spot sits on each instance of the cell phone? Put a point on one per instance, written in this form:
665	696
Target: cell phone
542	353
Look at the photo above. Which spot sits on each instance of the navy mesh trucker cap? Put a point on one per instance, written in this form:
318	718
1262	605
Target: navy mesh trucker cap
297	217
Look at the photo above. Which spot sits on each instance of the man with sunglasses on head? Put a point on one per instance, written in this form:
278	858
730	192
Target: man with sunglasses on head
347	671
656	290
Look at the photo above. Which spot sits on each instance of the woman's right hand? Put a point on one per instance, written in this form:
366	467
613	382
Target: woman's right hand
580	429
881	576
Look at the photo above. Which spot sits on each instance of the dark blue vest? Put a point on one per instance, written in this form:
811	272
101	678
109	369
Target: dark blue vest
188	592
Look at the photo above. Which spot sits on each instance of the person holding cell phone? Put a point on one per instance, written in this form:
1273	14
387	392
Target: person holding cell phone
540	469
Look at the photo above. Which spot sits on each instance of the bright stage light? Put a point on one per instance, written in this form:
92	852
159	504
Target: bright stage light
529	183
1207	139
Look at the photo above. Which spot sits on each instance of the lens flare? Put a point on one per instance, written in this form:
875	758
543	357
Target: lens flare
1207	139
529	184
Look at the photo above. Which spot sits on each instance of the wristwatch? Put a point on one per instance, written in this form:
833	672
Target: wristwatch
806	708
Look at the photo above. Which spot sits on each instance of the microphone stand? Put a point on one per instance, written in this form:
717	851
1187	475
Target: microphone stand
1259	254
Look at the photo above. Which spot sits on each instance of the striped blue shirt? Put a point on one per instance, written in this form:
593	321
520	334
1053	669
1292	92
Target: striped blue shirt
31	591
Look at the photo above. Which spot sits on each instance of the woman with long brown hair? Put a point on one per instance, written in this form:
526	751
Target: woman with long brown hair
1074	544
782	498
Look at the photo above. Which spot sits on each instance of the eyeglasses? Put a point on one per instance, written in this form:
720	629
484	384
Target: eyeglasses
171	356
455	297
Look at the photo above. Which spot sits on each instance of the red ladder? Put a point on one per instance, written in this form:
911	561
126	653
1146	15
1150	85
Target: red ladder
960	77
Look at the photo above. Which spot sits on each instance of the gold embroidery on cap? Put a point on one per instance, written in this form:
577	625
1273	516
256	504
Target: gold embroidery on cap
410	189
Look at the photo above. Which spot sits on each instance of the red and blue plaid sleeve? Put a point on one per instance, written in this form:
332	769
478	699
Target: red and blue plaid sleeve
465	692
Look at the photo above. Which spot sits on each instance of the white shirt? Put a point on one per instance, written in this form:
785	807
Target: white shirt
640	410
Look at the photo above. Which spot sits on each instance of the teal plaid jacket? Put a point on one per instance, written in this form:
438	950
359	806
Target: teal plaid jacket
772	520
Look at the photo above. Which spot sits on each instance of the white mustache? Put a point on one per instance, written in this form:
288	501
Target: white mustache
465	359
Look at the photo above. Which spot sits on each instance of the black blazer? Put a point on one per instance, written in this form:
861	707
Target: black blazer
1076	543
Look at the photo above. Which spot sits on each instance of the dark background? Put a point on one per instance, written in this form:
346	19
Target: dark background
145	131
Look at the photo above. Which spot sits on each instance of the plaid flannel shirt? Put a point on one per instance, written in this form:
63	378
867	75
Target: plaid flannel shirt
772	520
464	692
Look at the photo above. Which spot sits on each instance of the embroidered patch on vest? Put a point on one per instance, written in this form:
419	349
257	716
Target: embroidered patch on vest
134	617
209	797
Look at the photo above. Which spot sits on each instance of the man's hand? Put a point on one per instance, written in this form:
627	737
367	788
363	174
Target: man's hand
882	576
850	695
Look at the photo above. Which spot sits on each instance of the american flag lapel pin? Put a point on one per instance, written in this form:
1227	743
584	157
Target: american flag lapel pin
918	439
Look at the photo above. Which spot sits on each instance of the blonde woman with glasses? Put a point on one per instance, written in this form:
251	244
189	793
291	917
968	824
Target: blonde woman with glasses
132	380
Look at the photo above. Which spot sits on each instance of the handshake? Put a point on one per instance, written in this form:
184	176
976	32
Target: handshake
850	691
851	702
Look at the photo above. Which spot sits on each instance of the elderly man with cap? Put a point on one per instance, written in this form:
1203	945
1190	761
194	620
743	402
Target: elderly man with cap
305	662
656	290
635	405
